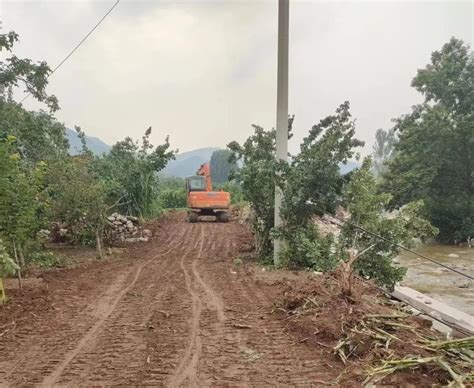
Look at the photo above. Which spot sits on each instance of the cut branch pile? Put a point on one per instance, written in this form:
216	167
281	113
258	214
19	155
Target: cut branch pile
369	333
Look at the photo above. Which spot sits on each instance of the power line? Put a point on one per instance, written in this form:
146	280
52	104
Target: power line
79	44
406	249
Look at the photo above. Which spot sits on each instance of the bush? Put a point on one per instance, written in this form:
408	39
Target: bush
305	248
172	198
232	187
366	207
45	259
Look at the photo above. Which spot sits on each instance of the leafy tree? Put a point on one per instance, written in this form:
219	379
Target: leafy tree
133	170
39	136
382	150
434	156
221	166
26	138
79	199
15	71
311	182
366	207
257	177
312	185
19	199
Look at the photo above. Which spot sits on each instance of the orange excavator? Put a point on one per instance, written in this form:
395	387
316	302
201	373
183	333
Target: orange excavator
202	201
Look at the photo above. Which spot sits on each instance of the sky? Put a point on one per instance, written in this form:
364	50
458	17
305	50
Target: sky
203	71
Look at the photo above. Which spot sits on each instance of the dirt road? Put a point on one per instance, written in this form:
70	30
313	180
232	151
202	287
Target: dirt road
174	312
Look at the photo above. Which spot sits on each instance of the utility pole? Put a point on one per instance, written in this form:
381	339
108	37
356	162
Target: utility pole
282	108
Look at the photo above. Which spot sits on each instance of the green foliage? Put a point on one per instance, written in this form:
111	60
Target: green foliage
7	267
172	193
45	259
366	207
232	187
257	178
311	183
221	166
78	197
171	182
132	168
434	156
170	198
7	264
15	71
39	136
20	190
305	248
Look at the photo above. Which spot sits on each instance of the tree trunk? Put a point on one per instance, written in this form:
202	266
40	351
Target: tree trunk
21	257
3	297
17	263
98	239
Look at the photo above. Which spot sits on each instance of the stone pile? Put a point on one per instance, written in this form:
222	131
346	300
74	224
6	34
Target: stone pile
126	229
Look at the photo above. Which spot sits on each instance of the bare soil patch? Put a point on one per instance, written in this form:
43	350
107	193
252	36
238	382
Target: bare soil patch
180	311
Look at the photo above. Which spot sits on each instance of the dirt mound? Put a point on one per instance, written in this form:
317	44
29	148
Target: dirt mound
375	339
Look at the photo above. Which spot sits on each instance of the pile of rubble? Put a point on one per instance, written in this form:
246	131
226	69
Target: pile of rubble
328	224
126	229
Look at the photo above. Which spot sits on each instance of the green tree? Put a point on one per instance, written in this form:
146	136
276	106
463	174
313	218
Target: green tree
221	166
16	71
26	139
39	136
79	198
366	207
257	178
20	189
433	159
311	182
382	150
133	168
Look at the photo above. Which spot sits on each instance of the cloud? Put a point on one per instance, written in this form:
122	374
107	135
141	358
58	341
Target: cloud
203	71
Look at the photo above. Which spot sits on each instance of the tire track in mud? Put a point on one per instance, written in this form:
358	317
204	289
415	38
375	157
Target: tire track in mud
207	314
91	334
261	353
172	319
187	366
120	353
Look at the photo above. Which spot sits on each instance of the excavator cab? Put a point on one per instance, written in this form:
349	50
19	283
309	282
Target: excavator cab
195	183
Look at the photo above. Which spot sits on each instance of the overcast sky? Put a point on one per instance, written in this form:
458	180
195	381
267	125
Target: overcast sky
204	71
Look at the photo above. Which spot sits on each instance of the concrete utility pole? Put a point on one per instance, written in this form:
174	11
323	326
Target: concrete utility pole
282	107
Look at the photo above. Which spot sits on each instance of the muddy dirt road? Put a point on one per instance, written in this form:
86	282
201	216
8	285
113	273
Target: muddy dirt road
174	312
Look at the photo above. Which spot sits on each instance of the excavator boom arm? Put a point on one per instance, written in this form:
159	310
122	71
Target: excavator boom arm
205	171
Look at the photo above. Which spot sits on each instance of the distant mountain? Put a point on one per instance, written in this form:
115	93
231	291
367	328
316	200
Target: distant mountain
96	145
187	163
